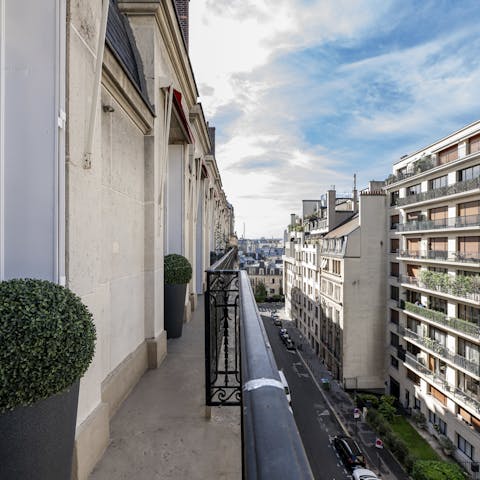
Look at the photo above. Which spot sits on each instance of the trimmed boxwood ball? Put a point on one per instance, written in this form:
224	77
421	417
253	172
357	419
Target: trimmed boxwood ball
47	340
178	270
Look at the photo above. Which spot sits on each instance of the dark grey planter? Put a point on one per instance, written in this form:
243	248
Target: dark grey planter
174	297
36	442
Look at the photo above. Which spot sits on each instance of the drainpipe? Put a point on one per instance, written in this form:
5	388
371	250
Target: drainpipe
87	157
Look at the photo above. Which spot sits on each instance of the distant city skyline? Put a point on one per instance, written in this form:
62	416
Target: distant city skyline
306	93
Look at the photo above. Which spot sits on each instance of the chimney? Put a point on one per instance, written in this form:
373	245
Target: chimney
211	135
293	219
355	193
182	12
331	207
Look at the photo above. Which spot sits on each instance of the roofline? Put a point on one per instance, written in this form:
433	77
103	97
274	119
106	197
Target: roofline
477	122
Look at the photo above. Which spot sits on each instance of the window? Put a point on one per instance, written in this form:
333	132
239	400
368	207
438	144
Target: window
413	377
469	209
393	362
436	421
437	304
438	182
394	245
413	246
394	342
273	280
468	313
469	350
272	290
413	271
417	404
394	221
413	216
394	317
474	144
464	446
450	154
414	189
336	267
469	173
438	335
394	293
394	269
394	198
438	216
468	247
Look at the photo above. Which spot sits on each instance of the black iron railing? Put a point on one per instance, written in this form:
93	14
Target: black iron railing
241	370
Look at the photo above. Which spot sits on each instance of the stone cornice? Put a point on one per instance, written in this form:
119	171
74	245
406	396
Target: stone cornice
197	120
117	83
166	18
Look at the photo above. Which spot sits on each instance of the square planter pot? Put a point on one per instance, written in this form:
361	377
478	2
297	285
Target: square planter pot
174	298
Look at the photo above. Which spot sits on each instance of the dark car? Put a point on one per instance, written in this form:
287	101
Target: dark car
288	343
349	452
283	332
277	322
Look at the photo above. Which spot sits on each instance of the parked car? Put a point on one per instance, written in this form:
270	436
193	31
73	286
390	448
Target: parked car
363	474
349	452
277	322
283	332
288	343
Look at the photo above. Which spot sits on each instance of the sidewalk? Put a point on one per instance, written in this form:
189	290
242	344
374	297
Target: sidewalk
161	433
380	461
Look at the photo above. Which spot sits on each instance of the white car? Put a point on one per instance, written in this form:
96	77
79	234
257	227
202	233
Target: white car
363	474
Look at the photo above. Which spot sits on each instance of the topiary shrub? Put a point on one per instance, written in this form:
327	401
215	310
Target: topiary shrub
47	341
178	270
367	400
436	470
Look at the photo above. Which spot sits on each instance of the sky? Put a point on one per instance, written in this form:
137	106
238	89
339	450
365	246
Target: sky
305	93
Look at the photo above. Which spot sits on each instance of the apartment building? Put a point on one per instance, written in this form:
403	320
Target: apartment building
334	267
434	287
268	273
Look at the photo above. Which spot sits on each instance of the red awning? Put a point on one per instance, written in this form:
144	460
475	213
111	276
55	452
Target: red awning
177	103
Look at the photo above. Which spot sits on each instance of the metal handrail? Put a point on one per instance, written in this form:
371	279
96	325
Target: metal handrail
450	222
272	447
442	255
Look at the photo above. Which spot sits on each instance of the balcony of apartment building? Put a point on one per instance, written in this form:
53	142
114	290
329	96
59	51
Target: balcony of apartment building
448	286
438	349
464	222
216	407
464	397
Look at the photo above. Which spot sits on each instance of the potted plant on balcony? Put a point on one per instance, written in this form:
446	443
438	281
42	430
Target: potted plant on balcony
47	341
178	272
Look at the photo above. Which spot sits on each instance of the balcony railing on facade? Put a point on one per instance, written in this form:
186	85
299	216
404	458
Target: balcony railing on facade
446	288
469	328
467	398
437	224
441	350
240	370
459	187
441	255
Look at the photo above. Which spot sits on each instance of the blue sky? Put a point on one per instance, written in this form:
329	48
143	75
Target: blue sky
306	93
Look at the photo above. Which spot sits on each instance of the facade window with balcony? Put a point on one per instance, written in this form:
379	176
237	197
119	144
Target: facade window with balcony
437	304
468	313
413	271
465	447
438	335
414	216
413	377
413	247
468	173
469	350
438	248
469	211
468	247
474	144
413	296
414	325
394	293
438	182
414	189
438	216
450	154
468	384
413	349
394	198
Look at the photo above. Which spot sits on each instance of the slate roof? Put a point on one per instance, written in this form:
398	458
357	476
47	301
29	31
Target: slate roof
345	228
120	39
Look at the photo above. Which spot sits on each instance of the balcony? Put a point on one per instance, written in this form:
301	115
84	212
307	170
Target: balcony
458	187
441	256
466	221
441	350
440	318
240	371
458	286
464	397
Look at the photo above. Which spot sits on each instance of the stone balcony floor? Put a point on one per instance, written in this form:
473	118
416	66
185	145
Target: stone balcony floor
161	430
